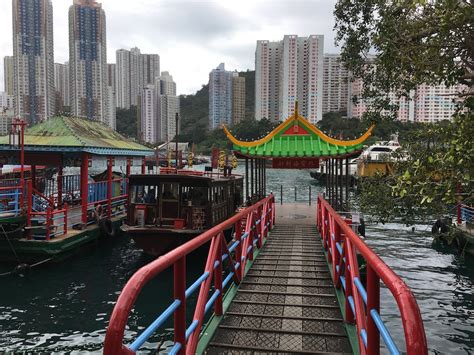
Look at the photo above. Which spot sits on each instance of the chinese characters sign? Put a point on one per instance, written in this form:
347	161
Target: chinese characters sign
295	163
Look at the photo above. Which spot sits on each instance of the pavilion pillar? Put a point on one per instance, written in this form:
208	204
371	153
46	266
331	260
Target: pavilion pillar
348	179
341	184
127	171
60	185
143	166
247	179
251	180
84	187
109	187
325	169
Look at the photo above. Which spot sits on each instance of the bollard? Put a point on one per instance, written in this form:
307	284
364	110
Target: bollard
281	194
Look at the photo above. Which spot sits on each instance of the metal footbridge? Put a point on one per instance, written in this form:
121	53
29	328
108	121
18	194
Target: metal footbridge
288	282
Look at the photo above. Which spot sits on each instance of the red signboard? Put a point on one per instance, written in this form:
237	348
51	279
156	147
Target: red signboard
295	163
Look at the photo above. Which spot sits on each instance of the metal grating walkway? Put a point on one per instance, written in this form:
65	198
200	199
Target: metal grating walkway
286	303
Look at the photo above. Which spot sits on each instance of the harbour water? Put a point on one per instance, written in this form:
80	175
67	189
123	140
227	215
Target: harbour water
65	307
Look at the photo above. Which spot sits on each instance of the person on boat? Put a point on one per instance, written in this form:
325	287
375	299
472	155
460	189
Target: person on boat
139	198
150	196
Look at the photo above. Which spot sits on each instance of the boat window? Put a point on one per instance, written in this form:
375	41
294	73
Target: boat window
170	191
381	149
143	194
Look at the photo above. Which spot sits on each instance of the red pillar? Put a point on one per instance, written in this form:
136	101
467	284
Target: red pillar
84	186
109	187
60	186
373	302
128	168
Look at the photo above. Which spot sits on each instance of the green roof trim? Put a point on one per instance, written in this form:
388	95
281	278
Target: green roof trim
297	138
72	132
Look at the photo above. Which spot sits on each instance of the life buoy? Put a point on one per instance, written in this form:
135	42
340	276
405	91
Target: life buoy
107	227
439	227
99	211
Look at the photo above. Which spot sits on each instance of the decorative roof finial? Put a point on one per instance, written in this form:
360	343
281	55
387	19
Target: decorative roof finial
296	109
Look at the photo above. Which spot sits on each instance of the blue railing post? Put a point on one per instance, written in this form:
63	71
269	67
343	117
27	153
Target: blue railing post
179	293
373	302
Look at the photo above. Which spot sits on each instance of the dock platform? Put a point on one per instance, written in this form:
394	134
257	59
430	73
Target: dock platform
286	303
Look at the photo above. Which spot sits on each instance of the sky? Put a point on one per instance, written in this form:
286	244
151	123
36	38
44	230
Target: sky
192	37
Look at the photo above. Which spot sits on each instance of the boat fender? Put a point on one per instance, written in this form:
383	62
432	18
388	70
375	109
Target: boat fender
439	227
99	211
361	227
107	227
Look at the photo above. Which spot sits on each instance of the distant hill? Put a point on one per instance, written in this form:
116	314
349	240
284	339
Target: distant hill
195	109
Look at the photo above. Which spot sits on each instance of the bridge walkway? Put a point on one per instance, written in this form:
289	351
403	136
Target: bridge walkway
286	302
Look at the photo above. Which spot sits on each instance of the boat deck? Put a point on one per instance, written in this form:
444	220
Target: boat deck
287	302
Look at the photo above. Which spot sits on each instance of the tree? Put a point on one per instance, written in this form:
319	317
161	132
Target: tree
127	122
415	42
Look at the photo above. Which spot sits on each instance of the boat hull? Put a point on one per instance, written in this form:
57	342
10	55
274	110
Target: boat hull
159	241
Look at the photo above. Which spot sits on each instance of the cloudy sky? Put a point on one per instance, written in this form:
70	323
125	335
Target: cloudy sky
191	36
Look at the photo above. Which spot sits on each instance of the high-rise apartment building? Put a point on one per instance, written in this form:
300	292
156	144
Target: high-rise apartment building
220	97
427	103
238	98
9	74
61	86
159	105
149	69
111	117
148	111
335	84
288	71
88	60
168	106
33	57
111	76
133	71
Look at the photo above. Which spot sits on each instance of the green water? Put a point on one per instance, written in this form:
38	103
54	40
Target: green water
65	307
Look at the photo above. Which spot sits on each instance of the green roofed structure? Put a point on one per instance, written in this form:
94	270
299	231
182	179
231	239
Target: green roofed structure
297	138
298	144
74	197
70	135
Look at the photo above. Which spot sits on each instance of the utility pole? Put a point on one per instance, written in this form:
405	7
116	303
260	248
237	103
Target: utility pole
176	141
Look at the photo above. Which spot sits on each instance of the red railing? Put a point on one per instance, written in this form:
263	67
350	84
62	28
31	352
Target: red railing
362	304
250	226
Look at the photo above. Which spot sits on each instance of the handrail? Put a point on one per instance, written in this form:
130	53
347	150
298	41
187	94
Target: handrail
251	227
362	305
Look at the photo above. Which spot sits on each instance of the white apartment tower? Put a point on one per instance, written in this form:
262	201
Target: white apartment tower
159	105
288	71
335	84
33	60
133	72
61	84
88	60
168	106
9	74
148	114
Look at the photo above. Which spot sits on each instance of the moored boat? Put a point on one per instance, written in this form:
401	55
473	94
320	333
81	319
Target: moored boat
170	208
